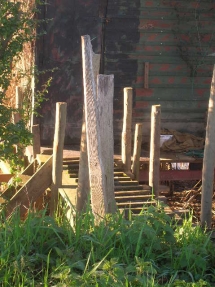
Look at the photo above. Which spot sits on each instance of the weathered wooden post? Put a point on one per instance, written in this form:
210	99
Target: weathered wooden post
83	190
36	140
57	167
105	95
95	157
209	161
126	130
137	150
154	161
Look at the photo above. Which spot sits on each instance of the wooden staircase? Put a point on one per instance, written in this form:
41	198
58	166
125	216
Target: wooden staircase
129	194
131	197
33	181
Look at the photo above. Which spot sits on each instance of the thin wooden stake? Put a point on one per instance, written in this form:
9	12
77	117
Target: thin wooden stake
137	150
209	161
96	167
57	168
36	140
154	161
126	130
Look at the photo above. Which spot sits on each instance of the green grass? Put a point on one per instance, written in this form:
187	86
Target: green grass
148	250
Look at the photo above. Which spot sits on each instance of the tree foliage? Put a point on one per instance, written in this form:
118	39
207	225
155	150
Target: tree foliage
17	27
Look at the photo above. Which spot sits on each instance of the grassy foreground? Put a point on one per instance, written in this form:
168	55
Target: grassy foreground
145	251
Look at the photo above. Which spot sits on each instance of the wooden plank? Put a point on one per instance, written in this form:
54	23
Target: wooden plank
5	177
32	190
137	150
96	168
83	190
36	140
105	90
126	130
57	168
208	161
154	161
155	14
169	175
168	105
165	4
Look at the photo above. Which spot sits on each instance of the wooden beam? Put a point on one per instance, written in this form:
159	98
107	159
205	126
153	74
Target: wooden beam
137	150
31	190
169	175
36	140
154	161
96	168
5	177
57	169
126	130
83	190
105	105
209	161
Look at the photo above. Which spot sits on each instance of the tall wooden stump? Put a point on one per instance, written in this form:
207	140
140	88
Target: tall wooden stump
57	167
83	190
98	185
126	130
209	161
105	104
137	150
154	161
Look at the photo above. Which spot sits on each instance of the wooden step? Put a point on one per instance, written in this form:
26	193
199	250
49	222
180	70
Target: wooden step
132	192
119	173
134	198
135	204
126	183
71	161
73	175
122	178
129	187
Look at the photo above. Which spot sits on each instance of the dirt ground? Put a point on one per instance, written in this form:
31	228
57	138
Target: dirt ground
187	195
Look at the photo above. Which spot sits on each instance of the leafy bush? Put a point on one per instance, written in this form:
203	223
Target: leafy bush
16	28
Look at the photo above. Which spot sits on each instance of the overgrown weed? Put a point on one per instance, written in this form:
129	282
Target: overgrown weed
147	250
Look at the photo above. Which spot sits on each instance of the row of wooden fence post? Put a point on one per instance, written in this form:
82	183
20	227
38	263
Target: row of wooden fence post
97	154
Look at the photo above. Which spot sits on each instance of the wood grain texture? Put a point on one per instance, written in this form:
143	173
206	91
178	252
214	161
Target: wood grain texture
32	189
209	161
36	140
105	92
154	161
57	169
137	150
83	189
96	168
126	130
